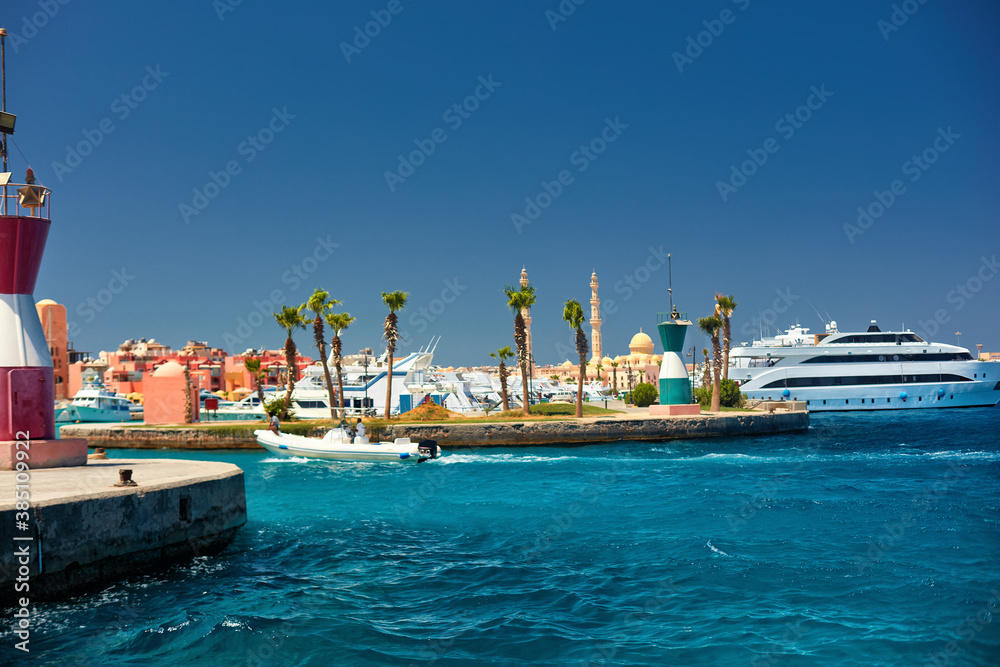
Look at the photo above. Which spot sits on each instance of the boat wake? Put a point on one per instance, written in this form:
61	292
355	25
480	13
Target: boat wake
717	550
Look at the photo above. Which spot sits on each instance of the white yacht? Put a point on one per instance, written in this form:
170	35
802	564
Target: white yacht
95	403
870	370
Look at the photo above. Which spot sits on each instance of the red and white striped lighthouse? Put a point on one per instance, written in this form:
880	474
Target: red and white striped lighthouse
26	381
27	399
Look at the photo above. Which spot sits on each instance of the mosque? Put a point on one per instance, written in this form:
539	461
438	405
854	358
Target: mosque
640	362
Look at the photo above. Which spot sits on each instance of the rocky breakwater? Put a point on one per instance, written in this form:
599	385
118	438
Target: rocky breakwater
139	437
511	434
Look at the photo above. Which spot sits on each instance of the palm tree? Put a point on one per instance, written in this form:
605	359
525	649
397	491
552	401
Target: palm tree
614	376
252	364
517	301
726	306
395	301
290	319
573	313
338	323
502	354
319	303
711	326
706	378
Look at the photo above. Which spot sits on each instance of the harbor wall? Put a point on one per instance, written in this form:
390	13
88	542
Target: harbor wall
81	530
601	430
457	434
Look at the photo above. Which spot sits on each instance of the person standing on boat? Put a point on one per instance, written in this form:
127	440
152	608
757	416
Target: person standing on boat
273	426
360	430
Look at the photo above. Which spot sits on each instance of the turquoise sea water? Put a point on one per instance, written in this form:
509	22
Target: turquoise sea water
873	539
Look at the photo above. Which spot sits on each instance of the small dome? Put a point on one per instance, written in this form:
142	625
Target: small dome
168	370
641	344
567	364
46	302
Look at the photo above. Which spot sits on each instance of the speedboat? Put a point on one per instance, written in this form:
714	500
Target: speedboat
338	445
95	403
868	370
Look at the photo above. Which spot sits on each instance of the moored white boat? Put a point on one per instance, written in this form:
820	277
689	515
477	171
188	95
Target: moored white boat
95	403
338	445
863	370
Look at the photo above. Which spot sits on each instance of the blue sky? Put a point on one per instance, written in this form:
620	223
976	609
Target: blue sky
212	161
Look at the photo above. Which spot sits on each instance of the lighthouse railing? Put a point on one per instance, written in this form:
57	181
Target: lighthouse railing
11	201
671	317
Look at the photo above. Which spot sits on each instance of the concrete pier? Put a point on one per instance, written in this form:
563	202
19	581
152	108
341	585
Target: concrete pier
75	528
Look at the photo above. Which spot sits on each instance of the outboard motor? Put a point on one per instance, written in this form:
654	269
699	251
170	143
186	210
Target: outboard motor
429	448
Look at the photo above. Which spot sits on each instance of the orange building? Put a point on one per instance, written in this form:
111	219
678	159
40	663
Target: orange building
53	317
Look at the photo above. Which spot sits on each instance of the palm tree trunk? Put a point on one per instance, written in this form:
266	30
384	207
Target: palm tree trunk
337	349
581	348
503	386
388	385
290	363
726	333
321	346
260	388
716	359
520	340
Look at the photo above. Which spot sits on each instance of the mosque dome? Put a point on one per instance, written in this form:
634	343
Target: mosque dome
641	344
46	302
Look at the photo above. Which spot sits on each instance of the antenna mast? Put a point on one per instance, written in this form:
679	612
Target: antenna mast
3	104
670	283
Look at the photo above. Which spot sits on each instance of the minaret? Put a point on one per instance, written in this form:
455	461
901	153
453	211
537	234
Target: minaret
595	320
526	314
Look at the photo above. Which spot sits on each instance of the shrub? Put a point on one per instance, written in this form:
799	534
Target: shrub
730	395
644	395
276	405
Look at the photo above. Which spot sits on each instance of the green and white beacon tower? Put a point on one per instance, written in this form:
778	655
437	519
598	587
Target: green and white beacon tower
675	384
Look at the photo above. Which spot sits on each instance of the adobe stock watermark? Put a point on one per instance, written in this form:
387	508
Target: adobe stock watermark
786	126
294	277
696	44
915	167
967	630
769	316
564	518
454	116
249	148
121	108
923	502
421	494
562	12
627	286
381	18
581	158
92	305
634	623
223	7
958	297
426	314
30	25
901	13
